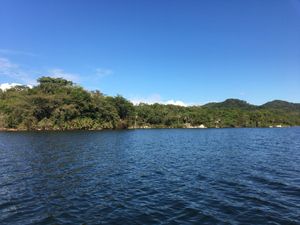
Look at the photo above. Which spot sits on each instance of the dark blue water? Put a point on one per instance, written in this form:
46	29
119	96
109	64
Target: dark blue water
184	176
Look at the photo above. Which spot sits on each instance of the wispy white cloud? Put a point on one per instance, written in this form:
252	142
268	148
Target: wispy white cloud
102	72
60	73
17	73
175	102
14	71
156	98
16	52
76	77
242	93
5	63
6	86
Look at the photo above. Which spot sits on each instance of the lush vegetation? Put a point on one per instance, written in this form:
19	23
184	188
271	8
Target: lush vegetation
58	104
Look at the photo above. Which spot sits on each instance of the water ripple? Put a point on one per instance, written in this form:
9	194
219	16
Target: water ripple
212	176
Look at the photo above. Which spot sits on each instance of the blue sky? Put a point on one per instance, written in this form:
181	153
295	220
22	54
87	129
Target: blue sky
157	50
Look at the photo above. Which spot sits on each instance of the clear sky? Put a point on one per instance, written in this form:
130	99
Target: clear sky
157	50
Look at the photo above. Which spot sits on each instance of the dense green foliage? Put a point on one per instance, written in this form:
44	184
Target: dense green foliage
58	104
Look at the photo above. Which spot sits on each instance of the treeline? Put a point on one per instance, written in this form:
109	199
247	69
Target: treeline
58	104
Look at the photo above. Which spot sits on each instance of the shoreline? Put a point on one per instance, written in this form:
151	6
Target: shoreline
137	128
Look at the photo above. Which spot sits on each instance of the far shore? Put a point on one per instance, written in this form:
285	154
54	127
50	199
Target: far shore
130	128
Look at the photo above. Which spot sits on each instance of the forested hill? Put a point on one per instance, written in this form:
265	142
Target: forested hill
230	104
58	104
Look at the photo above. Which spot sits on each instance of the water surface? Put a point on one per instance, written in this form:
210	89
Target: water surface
167	176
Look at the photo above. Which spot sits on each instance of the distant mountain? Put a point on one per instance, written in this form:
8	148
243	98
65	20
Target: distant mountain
230	104
240	104
281	105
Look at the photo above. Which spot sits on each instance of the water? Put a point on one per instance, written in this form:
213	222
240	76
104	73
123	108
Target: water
178	176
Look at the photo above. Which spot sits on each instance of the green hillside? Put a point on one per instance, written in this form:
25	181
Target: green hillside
58	104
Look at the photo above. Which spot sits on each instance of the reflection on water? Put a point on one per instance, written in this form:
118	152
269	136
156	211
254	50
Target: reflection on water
212	176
